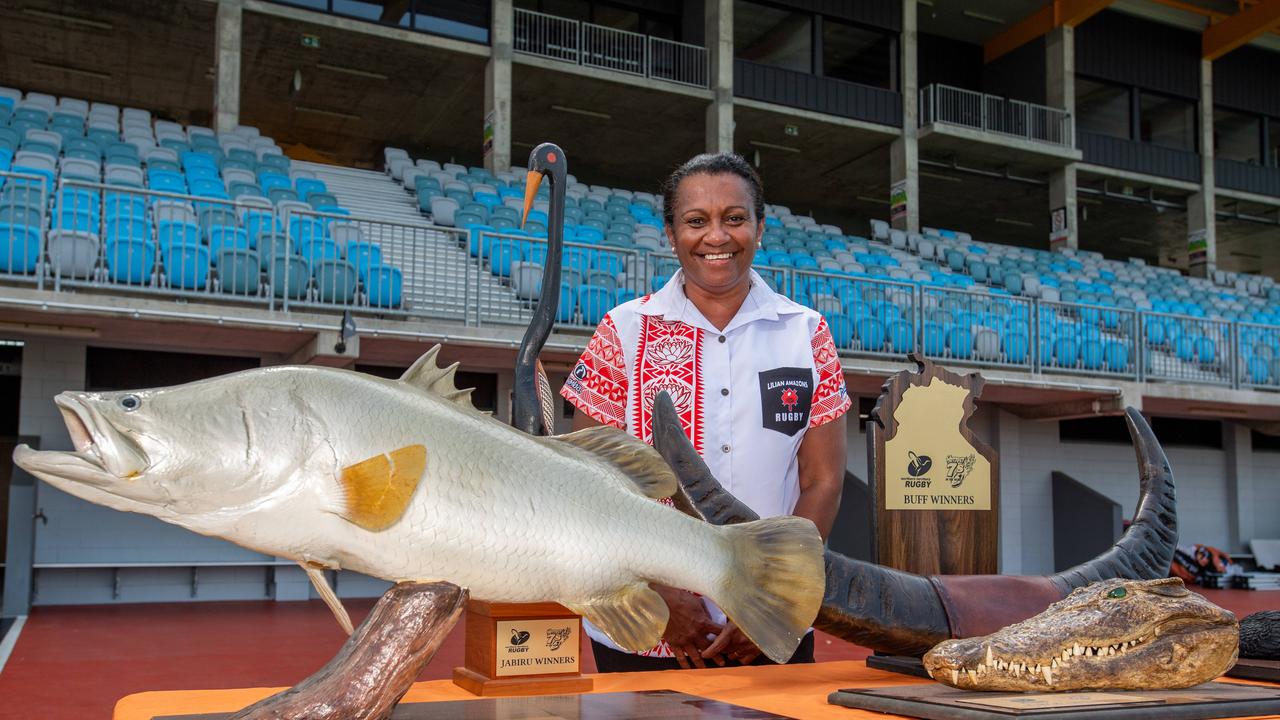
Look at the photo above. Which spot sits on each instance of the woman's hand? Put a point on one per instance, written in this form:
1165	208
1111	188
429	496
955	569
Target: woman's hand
688	627
733	645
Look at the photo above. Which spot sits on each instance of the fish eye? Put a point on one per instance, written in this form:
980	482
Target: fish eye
130	402
1118	593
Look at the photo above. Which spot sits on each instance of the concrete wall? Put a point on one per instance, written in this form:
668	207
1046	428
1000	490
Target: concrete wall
1111	469
1266	495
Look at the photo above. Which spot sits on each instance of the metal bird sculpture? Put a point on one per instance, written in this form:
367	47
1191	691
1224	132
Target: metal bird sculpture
532	407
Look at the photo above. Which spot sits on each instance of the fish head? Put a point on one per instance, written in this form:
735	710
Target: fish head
1114	631
172	452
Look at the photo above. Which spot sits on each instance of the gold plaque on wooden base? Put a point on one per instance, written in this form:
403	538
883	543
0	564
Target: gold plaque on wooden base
935	483
521	649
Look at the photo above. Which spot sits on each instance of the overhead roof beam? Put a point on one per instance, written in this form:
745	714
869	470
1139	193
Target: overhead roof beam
1056	13
1223	37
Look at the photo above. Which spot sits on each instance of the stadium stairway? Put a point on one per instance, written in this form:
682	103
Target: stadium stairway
440	285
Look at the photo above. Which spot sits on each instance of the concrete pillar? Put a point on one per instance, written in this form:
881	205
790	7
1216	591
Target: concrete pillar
226	98
497	89
1237	441
1202	236
904	154
49	366
1006	437
719	40
1060	92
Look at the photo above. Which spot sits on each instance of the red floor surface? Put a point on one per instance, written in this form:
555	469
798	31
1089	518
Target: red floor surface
73	663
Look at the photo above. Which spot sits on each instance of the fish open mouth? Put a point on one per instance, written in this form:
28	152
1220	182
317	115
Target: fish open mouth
81	436
97	442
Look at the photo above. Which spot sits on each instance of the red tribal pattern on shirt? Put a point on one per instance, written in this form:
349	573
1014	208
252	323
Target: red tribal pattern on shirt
830	398
602	392
668	357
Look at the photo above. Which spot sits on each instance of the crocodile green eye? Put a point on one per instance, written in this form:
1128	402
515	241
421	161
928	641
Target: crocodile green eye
1118	593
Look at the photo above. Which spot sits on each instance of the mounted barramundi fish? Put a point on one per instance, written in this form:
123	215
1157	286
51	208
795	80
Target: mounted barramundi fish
406	481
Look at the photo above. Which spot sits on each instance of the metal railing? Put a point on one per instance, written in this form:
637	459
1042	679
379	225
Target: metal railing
123	240
678	62
991	113
1188	349
592	45
246	250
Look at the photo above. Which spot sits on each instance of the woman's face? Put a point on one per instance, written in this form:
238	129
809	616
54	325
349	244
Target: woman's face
715	231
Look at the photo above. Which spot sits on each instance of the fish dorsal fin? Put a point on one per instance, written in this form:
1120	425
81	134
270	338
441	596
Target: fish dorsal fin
316	573
427	375
376	491
633	617
640	463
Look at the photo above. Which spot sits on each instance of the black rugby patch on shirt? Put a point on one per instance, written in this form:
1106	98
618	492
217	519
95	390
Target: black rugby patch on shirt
786	395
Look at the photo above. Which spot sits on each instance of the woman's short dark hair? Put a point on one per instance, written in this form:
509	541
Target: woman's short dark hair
712	164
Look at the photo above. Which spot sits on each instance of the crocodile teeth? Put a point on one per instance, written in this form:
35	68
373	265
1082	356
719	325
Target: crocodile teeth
1066	655
1077	650
1054	663
973	677
1048	675
955	677
990	661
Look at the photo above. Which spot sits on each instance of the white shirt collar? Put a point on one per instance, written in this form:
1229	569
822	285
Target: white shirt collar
761	303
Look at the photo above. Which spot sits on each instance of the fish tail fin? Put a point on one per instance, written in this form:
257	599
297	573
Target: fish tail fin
775	584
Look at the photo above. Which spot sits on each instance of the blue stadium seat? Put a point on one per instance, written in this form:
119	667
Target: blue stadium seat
959	342
127	228
307	186
502	253
223	237
120	204
289	276
364	255
187	267
383	286
336	281
130	261
19	247
302	229
238	271
594	302
841	327
318	250
1066	351
1115	356
870	334
1014	346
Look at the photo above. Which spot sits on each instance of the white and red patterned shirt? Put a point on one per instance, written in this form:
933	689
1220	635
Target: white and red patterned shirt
745	395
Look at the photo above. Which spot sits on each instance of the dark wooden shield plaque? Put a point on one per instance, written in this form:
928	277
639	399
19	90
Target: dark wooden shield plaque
935	483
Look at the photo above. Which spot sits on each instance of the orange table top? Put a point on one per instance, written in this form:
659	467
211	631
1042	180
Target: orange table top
798	691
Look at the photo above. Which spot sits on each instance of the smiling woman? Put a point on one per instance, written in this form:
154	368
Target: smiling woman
753	376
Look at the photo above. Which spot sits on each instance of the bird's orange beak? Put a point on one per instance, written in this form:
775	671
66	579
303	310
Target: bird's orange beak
531	183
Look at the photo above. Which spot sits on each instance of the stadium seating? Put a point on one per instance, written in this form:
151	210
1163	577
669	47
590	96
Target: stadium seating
195	210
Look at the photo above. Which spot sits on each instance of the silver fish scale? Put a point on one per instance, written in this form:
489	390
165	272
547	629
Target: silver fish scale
504	515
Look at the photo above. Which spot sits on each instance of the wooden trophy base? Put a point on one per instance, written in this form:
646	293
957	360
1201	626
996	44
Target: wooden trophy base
515	649
478	684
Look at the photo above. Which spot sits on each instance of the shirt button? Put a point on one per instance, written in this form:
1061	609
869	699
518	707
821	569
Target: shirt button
722	339
724	391
724	448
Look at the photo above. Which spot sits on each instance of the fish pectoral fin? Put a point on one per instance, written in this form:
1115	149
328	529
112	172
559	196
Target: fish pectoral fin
634	617
642	464
376	491
316	574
